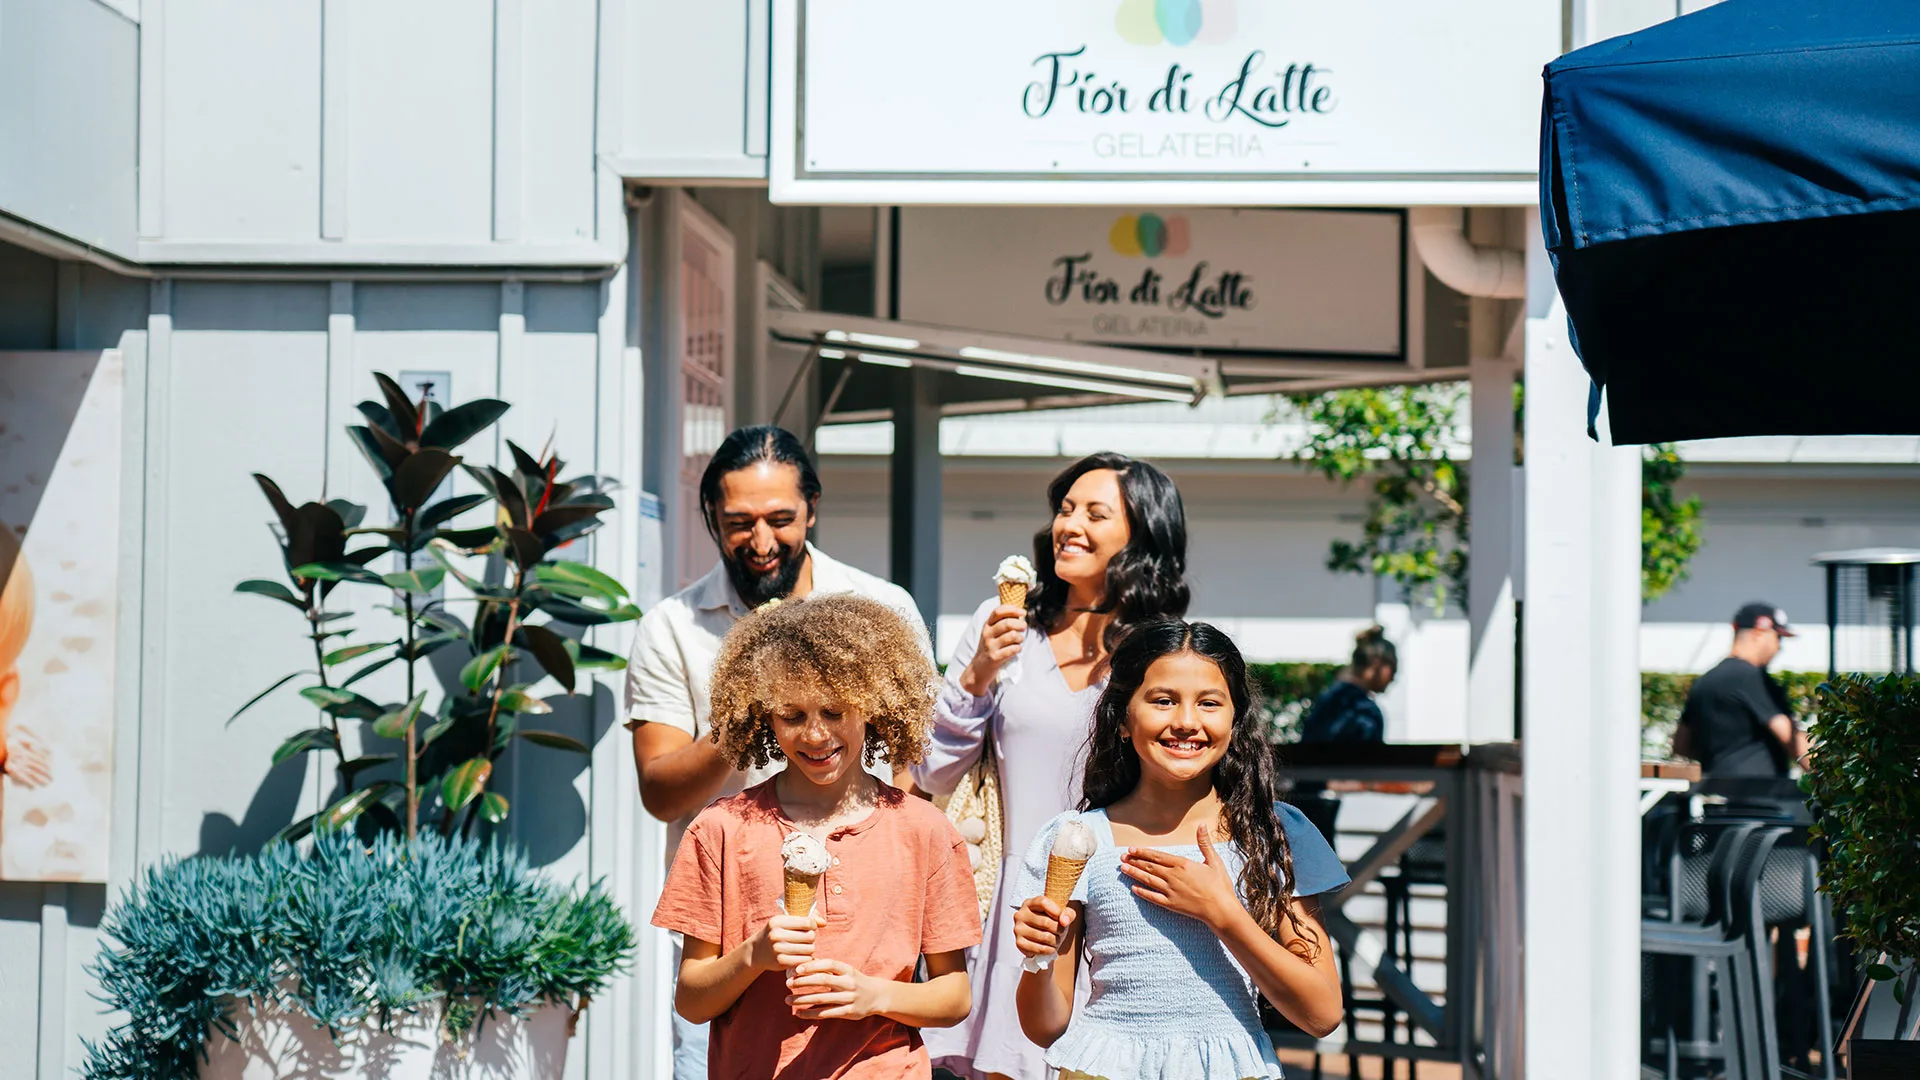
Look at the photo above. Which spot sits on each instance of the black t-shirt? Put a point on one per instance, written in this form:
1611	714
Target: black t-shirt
1728	710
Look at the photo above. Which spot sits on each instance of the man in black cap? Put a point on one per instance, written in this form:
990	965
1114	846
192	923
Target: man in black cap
1736	721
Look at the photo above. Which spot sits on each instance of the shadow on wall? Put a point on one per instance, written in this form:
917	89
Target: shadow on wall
543	786
21	901
275	803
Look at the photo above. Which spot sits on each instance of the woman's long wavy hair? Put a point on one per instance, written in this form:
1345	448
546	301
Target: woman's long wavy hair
1145	580
1244	779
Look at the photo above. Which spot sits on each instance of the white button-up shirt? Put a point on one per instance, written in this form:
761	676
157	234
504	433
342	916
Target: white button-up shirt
670	674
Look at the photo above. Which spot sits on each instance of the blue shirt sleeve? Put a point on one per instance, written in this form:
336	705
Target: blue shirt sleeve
1316	869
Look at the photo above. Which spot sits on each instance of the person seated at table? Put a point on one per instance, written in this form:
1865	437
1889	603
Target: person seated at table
1736	721
1347	713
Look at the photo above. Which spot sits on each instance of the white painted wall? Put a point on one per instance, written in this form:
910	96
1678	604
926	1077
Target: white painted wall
69	104
226	378
326	131
710	60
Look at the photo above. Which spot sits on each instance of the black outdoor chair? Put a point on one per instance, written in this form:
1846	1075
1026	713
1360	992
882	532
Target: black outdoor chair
1730	936
1790	898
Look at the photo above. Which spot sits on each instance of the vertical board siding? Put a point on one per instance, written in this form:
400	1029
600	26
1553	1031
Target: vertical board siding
241	90
420	122
246	394
69	119
226	378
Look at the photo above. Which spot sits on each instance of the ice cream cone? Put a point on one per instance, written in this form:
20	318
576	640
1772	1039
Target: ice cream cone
800	890
1062	875
1013	593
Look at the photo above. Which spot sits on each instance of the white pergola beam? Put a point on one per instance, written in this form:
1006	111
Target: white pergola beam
1492	509
1581	716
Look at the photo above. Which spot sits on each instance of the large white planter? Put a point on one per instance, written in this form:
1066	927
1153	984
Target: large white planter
279	1046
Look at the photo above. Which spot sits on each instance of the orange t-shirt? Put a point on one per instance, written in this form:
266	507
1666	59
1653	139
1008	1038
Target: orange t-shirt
900	885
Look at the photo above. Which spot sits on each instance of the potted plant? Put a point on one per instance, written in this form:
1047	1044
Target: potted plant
399	929
1865	786
398	958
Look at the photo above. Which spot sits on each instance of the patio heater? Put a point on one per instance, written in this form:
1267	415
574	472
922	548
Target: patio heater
1870	609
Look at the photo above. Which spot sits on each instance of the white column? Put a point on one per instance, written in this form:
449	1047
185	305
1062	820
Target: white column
1580	718
1490	574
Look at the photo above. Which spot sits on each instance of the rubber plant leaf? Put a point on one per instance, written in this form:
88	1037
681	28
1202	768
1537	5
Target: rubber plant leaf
465	782
462	422
549	649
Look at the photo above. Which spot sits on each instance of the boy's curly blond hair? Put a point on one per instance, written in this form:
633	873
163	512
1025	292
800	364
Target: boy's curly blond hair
849	649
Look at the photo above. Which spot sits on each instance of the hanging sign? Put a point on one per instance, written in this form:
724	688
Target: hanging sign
917	101
1300	283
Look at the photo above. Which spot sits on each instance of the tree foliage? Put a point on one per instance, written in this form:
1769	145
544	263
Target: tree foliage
1669	525
1401	440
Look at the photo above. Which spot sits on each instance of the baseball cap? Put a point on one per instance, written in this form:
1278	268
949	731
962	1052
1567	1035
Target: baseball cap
1758	616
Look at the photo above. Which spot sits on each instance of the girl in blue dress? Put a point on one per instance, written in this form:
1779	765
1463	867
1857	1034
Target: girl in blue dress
1198	895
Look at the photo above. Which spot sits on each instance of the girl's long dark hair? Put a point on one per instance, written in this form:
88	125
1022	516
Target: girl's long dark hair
1244	779
1145	580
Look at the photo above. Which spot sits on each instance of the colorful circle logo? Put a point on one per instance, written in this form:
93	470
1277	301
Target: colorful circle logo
1149	234
1176	22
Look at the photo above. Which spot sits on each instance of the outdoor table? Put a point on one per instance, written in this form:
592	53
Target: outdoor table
1474	794
1659	779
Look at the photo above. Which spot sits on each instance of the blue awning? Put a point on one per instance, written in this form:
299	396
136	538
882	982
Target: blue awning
1732	203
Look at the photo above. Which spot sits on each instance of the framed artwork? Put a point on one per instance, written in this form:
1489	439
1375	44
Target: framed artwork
60	491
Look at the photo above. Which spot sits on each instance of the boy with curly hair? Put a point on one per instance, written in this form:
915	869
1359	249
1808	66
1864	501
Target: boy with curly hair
824	683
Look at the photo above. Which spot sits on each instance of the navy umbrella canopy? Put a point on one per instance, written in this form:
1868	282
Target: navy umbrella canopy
1732	204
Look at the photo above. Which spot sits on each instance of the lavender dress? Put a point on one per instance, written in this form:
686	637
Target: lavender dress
1039	726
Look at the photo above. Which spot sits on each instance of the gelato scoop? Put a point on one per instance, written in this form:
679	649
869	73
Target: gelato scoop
1074	842
806	859
803	853
1015	570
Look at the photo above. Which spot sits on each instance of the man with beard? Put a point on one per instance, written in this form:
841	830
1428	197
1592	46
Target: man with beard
758	497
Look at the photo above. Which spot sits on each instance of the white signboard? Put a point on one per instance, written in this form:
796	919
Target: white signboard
1310	284
1270	102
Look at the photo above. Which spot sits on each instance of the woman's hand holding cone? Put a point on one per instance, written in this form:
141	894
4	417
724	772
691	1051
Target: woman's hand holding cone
1000	642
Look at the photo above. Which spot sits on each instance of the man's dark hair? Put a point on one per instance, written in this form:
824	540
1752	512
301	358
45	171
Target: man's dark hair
746	447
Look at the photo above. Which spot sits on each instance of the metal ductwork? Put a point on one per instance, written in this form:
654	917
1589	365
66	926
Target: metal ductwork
1439	235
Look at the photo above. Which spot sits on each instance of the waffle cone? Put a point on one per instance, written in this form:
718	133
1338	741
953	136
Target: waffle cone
1013	593
800	890
1062	876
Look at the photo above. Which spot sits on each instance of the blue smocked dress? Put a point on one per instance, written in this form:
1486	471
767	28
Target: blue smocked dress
1139	957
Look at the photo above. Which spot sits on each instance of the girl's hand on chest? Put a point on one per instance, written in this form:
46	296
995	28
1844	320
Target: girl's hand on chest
1200	890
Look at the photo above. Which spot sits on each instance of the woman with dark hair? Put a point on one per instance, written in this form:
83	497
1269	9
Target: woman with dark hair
1023	680
1346	713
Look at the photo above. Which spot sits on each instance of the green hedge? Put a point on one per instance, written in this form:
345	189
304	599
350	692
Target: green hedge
1284	693
1866	781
